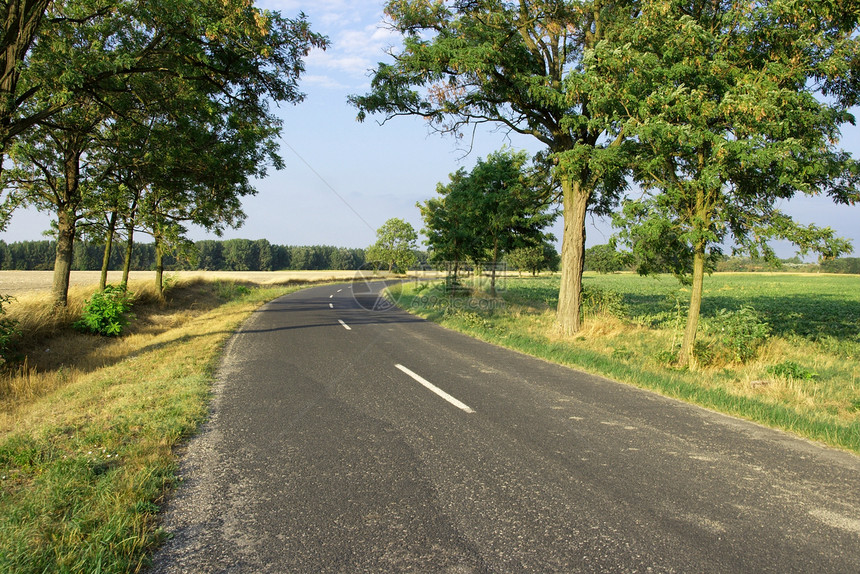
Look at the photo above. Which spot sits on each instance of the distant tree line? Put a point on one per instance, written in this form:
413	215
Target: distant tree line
211	255
842	265
232	255
260	255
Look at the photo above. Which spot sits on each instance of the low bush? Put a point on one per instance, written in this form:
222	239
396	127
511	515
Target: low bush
107	312
229	290
792	370
598	301
8	331
740	332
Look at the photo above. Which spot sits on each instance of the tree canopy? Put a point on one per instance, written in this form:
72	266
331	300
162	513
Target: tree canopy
395	245
725	102
738	103
519	65
501	205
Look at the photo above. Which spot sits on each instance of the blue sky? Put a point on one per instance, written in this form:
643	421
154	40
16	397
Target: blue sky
343	179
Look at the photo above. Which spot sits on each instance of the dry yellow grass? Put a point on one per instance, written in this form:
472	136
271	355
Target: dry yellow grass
53	355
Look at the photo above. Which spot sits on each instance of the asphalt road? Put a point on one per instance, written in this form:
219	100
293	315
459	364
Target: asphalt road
350	438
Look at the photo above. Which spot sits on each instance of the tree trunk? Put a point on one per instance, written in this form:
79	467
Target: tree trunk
67	208
21	20
129	247
159	270
686	356
63	261
108	247
495	260
569	312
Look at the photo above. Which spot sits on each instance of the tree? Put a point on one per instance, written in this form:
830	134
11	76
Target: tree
241	255
499	206
210	255
448	234
535	258
395	243
604	259
50	173
723	98
509	207
519	65
265	258
22	20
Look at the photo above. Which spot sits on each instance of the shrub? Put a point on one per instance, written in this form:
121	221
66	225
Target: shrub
8	331
741	332
705	354
791	370
597	301
469	318
228	290
106	312
667	357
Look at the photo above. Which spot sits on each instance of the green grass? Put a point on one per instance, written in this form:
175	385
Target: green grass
84	468
803	378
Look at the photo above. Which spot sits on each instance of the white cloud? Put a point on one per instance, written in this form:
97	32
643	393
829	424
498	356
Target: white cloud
355	51
358	35
288	7
323	82
331	20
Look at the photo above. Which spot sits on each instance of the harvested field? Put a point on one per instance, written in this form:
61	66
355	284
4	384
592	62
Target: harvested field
21	282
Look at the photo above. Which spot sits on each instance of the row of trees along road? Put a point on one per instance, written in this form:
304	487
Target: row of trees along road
717	110
141	116
500	206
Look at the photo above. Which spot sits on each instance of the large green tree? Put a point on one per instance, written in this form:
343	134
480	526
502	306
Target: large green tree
725	100
395	245
502	204
519	65
197	173
448	235
51	172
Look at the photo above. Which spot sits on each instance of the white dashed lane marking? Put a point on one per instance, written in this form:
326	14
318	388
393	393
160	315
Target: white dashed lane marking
436	390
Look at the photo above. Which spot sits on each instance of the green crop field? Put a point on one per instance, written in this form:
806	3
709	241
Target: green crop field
812	306
781	349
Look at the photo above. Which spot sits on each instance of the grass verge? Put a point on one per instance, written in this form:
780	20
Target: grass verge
804	379
88	425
